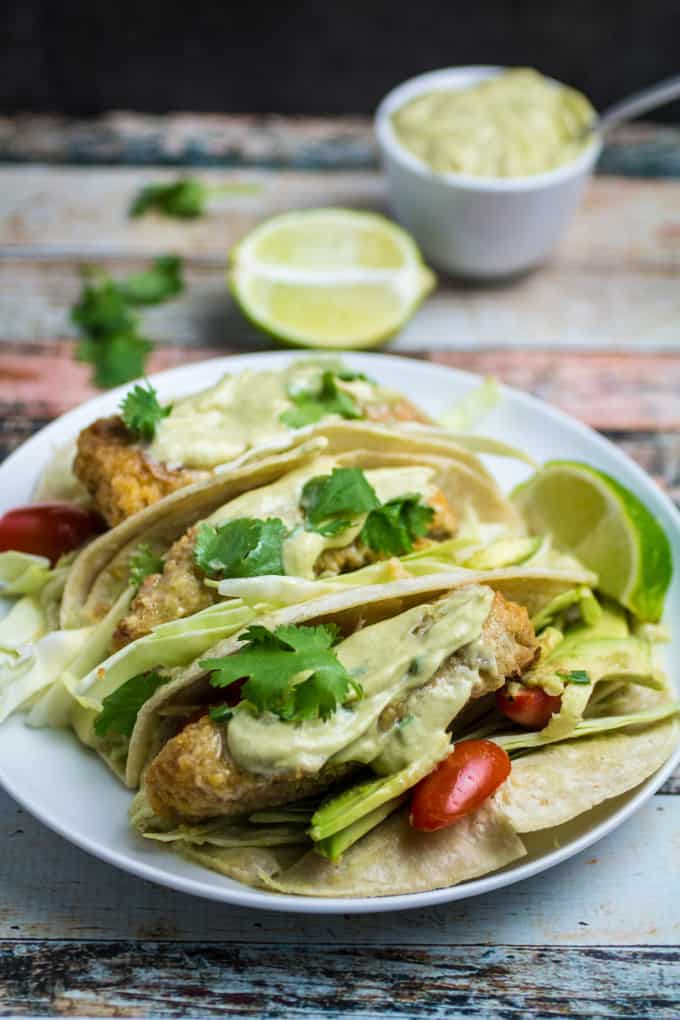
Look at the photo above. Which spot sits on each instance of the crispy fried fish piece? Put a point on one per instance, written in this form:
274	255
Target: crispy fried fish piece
119	476
179	591
194	776
122	480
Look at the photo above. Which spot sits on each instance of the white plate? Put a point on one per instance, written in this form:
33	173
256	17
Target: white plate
71	790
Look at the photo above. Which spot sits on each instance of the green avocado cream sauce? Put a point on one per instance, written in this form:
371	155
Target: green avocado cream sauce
241	411
515	124
393	661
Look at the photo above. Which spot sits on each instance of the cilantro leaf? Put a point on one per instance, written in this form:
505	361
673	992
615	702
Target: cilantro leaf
221	713
103	309
154	285
328	499
184	199
275	663
142	563
313	405
244	547
574	676
120	708
347	375
116	359
392	527
141	411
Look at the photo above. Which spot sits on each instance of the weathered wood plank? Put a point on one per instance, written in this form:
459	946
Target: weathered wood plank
612	282
66	211
150	978
614	391
53	890
313	143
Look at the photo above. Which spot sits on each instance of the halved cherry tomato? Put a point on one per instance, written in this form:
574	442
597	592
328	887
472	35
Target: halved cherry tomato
530	707
48	529
459	784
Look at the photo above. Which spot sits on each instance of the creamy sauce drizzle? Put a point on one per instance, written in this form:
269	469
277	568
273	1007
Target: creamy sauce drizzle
390	659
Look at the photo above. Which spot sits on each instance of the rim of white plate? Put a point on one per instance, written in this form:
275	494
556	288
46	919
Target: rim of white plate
241	895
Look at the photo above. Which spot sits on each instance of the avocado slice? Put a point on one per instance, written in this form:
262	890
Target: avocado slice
507	552
358	801
333	847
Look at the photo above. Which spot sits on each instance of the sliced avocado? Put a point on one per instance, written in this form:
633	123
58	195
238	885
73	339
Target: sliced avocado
626	659
296	816
333	847
358	801
612	622
507	552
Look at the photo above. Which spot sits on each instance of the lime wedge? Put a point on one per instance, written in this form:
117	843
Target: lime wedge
329	278
604	525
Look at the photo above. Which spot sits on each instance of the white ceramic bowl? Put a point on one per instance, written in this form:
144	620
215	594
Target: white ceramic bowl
481	227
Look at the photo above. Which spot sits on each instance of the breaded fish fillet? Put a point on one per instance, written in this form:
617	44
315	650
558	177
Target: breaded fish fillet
179	591
194	776
119	476
122	480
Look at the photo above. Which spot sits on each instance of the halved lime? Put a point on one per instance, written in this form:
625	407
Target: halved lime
604	525
329	278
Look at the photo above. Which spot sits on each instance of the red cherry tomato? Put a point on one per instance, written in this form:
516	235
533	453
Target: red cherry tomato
459	784
530	707
48	529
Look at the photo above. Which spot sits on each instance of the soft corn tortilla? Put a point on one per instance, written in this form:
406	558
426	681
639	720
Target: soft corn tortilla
561	781
390	860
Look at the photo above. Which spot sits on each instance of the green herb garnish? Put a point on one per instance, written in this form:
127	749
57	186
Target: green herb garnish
157	284
109	325
245	547
573	676
141	411
291	671
120	708
332	501
184	198
313	405
328	499
221	713
143	563
393	527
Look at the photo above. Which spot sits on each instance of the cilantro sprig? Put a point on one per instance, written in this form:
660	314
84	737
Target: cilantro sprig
291	671
311	405
185	198
121	707
244	547
331	501
109	325
142	412
394	526
143	563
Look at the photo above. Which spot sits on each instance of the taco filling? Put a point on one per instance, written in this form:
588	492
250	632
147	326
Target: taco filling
416	672
130	461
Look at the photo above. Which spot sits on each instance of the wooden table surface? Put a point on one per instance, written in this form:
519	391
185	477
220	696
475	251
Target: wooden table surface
595	331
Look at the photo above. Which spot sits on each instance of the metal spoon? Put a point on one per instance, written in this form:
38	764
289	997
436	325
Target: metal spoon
639	102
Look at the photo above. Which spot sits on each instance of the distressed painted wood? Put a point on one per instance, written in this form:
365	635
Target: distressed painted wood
612	283
313	143
451	982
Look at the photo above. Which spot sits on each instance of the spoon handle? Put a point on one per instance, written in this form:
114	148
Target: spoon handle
640	102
